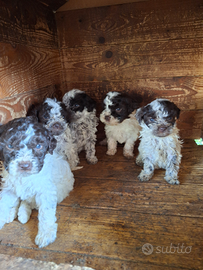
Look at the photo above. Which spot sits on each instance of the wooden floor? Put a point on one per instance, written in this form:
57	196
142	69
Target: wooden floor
110	215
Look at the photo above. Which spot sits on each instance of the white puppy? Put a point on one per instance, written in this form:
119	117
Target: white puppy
160	146
83	123
120	122
34	176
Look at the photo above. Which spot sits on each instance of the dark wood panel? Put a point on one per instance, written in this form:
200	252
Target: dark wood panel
158	59
16	106
28	22
25	68
186	92
130	23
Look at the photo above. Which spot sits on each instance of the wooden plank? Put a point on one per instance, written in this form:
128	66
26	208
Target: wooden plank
114	235
24	68
131	23
80	4
109	216
82	259
158	59
186	92
16	106
27	22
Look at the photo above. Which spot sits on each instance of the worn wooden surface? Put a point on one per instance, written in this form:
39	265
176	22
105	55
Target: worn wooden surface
30	67
153	48
110	215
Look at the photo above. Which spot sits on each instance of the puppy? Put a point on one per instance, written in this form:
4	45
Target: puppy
160	146
34	176
84	122
56	118
120	123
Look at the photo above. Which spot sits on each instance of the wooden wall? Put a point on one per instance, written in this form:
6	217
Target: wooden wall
154	48
30	65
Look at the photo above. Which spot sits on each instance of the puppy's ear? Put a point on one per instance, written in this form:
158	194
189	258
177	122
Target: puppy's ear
90	103
2	128
33	111
176	111
66	112
52	144
140	114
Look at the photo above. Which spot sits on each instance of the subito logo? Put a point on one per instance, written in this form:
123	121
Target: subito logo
147	249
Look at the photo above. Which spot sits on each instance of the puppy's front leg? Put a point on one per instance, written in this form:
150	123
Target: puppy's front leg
112	146
171	175
47	226
128	149
148	170
8	207
90	151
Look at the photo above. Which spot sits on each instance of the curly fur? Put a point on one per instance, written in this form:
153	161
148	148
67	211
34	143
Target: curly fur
33	177
83	125
160	146
56	118
121	125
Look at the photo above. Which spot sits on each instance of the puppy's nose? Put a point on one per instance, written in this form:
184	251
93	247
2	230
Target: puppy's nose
57	126
107	117
25	165
162	128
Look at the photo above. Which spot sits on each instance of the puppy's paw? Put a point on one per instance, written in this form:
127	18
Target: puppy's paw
172	181
128	155
46	238
2	223
139	161
111	152
24	215
92	160
12	214
144	177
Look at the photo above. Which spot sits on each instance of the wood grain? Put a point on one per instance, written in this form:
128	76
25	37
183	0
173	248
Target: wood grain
110	215
80	4
25	68
131	23
16	106
158	59
27	22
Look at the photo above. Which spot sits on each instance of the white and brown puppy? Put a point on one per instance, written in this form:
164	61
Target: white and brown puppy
160	146
56	118
84	122
121	125
34	176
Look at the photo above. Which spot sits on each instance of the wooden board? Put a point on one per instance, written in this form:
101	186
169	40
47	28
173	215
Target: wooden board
110	215
154	20
80	4
25	68
16	106
27	22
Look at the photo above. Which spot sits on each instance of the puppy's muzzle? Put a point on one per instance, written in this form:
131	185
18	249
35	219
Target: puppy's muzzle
162	128
25	166
107	118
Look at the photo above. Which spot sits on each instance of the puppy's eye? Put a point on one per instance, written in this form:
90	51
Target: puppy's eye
76	106
152	120
39	146
118	110
169	118
10	146
45	116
